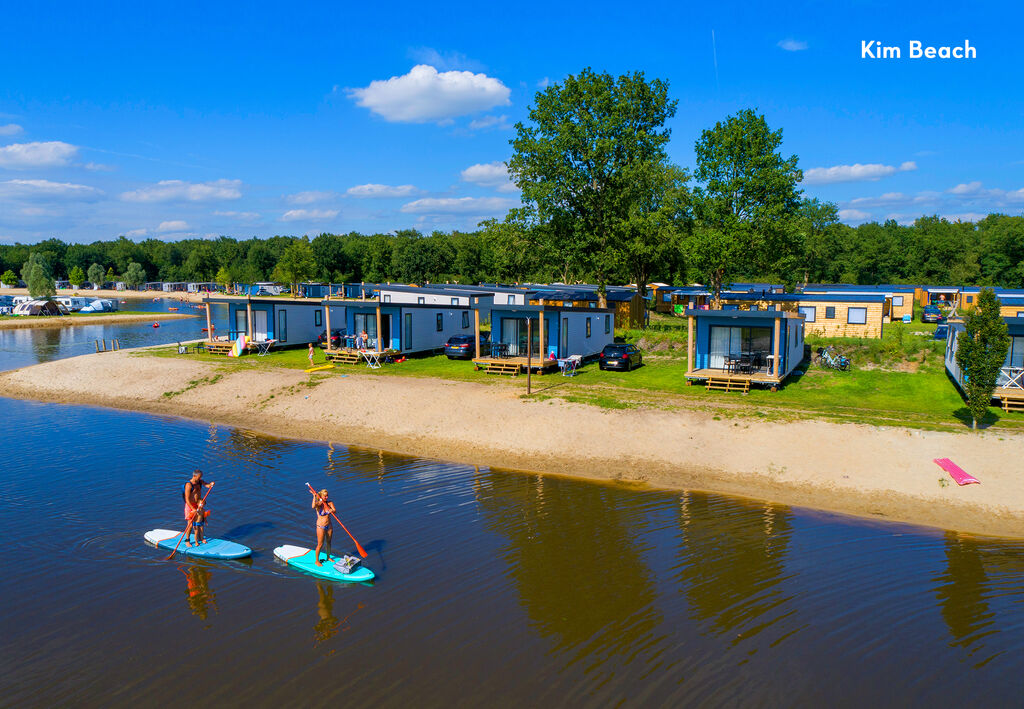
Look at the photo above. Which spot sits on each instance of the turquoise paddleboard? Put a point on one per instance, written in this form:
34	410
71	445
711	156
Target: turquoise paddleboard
210	549
302	558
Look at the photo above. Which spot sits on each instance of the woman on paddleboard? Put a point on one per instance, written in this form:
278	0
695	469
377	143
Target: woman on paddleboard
324	508
195	515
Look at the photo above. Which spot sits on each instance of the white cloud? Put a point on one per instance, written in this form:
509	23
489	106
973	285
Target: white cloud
53	153
10	129
136	232
425	96
311	215
45	189
888	198
854	173
38	212
459	205
98	167
173	225
793	45
964	217
496	122
310	196
492	174
853	215
180	191
374	191
544	83
242	216
968	189
1015	195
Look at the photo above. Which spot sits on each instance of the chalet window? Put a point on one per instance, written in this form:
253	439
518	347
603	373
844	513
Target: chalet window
970	299
511	300
318	318
282	325
455	301
607	324
588	327
440	322
465	319
809	312
857	316
771	308
421	300
755	307
830	312
897	300
387	297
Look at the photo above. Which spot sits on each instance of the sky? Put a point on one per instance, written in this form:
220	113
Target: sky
180	120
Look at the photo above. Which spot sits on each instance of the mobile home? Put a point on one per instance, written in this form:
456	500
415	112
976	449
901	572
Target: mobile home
286	321
825	314
408	328
1010	383
732	349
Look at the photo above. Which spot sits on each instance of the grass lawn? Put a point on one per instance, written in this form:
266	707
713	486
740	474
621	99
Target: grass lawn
899	380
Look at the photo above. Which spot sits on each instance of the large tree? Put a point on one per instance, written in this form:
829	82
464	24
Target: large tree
981	351
295	265
576	161
38	277
747	197
134	275
95	275
76	276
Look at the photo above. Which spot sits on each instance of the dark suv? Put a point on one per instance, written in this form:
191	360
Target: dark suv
619	357
463	347
336	336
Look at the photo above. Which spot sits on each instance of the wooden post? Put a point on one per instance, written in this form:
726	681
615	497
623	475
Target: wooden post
327	318
529	352
380	347
543	352
209	325
248	317
97	343
476	329
778	333
690	345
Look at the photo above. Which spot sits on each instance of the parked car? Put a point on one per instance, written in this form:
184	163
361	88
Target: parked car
336	336
931	313
463	347
619	357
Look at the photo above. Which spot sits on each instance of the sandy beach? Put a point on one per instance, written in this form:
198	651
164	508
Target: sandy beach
79	320
119	294
877	472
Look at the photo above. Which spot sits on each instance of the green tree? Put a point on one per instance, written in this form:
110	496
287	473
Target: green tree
981	351
9	278
96	275
223	277
577	161
111	276
134	275
295	265
76	276
38	277
748	196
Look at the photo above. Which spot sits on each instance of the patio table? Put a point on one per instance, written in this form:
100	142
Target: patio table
263	347
372	359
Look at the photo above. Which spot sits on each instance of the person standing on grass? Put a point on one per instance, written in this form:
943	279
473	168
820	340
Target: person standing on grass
310	354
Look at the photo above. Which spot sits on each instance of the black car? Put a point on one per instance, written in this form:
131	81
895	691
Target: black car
336	336
619	357
931	313
463	347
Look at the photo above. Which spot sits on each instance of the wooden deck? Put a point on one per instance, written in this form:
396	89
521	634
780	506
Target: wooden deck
514	365
720	380
353	356
1010	399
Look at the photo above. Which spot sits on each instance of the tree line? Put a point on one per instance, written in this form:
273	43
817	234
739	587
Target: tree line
601	203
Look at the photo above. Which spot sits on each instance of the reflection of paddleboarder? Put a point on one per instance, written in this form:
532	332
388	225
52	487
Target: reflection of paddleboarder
195	514
327	627
324	508
200	597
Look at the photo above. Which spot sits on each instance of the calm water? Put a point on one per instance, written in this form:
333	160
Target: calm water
22	347
494	588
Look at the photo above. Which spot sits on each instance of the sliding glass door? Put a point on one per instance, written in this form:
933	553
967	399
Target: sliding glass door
727	342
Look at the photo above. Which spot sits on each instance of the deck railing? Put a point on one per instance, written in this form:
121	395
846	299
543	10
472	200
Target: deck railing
1011	378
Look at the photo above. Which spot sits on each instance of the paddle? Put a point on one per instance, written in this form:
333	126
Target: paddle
359	547
175	550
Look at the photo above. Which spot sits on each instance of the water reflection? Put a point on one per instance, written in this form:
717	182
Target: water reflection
201	598
327	626
575	555
731	560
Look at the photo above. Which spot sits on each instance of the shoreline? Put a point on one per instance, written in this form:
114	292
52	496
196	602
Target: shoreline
855	469
38	321
118	294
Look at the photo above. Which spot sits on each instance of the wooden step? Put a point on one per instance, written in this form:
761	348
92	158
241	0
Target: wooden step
218	348
1013	403
344	357
723	384
500	368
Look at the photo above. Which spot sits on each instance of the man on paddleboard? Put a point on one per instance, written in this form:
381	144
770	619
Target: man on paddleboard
195	515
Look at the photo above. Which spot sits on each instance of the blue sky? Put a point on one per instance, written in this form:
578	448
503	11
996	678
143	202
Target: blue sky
166	120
